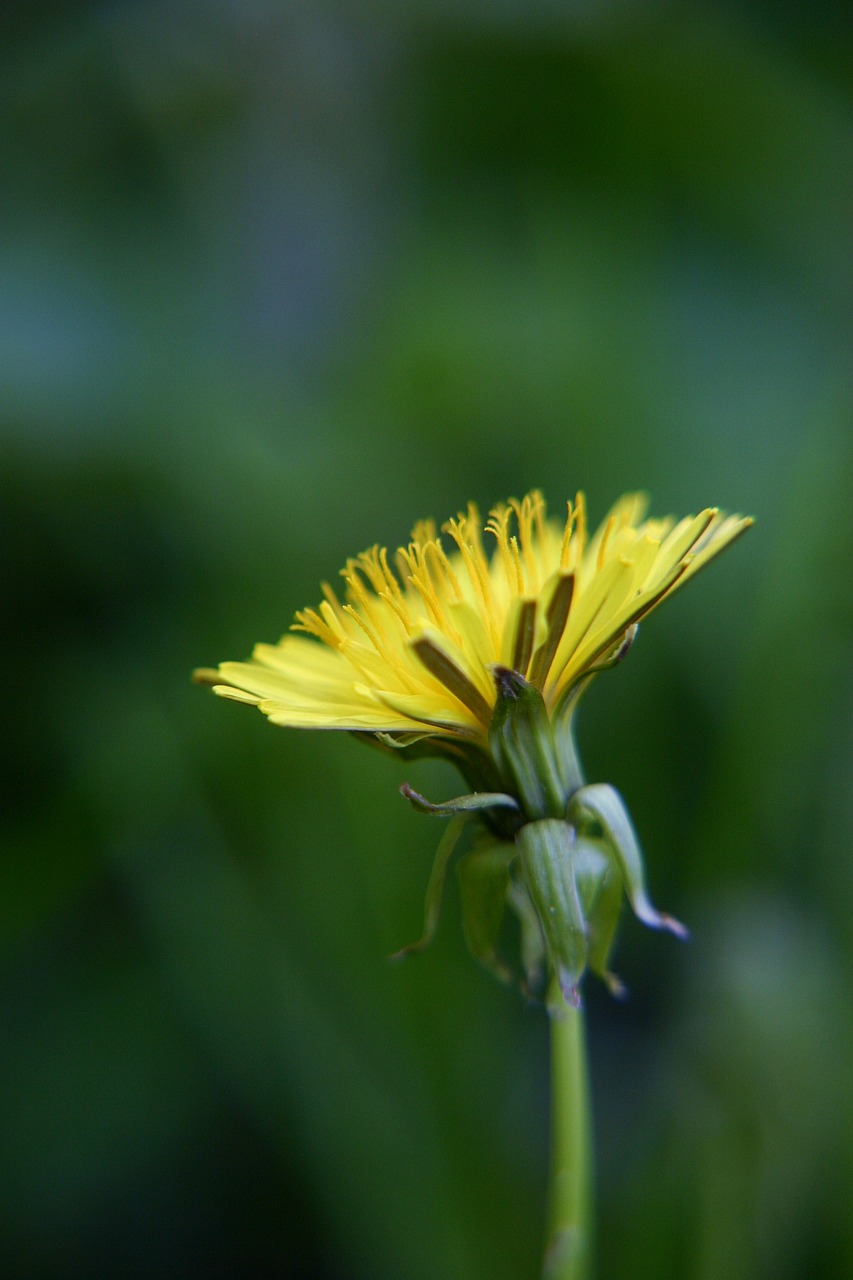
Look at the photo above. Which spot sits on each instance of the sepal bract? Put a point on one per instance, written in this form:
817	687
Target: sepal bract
602	804
483	876
523	747
546	851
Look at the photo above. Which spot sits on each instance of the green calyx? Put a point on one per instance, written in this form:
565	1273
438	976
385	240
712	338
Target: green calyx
577	895
557	854
535	763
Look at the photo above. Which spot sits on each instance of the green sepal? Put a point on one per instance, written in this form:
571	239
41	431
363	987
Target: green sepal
600	887
522	745
563	734
435	888
531	941
483	877
546	852
604	805
473	803
471	759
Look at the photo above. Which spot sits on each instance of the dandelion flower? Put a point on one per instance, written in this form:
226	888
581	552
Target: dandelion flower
475	644
410	648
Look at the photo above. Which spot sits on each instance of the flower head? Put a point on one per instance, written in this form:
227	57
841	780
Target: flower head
410	647
476	645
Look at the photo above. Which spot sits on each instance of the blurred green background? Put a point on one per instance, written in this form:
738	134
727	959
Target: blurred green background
275	281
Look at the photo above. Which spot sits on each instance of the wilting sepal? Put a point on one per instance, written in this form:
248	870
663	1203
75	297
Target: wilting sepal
562	877
435	888
484	883
601	804
471	804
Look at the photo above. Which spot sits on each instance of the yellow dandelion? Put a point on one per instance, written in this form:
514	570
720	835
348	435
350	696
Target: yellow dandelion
409	649
476	645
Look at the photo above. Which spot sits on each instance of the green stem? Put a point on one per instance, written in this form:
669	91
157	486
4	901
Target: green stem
568	1253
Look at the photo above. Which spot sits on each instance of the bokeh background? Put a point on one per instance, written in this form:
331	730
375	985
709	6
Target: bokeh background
275	281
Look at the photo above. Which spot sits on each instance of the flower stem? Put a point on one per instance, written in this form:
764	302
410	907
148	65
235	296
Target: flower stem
568	1252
